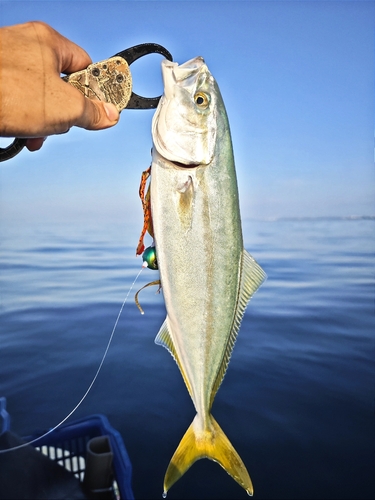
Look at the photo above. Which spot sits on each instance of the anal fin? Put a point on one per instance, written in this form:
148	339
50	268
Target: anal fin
164	339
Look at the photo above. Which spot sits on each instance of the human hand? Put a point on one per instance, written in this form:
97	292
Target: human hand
34	101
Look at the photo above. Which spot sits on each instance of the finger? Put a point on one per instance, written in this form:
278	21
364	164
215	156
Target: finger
97	115
35	143
72	57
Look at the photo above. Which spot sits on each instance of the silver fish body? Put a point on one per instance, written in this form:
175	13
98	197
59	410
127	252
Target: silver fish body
206	275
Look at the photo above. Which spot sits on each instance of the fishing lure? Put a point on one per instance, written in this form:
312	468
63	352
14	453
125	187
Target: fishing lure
148	254
146	205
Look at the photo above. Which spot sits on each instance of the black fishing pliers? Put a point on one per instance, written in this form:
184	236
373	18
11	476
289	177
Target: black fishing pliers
110	81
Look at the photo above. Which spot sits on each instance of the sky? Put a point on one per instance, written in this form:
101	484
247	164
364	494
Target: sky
297	79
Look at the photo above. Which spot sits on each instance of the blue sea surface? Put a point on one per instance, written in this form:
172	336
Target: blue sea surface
297	401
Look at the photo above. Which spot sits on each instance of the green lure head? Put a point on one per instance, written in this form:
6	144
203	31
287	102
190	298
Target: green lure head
149	257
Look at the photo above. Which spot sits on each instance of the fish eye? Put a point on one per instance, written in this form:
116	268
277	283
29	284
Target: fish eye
201	100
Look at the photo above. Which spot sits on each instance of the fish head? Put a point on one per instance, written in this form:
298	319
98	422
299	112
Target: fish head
185	123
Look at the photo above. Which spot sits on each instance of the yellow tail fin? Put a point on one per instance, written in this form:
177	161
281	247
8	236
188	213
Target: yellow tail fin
212	443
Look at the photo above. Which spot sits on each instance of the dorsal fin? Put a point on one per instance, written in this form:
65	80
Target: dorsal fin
251	277
164	339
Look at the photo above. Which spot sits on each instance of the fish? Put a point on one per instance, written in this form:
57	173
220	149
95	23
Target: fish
207	277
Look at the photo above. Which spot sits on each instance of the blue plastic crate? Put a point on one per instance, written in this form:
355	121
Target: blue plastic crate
67	446
4	416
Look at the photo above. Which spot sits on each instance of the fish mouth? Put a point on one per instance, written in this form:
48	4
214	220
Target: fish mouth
173	73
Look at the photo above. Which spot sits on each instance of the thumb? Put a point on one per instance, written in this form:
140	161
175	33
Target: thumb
97	115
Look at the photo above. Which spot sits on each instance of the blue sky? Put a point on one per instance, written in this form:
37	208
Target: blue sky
297	78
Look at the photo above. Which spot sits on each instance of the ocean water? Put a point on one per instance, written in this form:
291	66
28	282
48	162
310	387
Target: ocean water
297	401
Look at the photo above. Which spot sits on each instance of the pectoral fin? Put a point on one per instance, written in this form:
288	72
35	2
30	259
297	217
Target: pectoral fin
251	278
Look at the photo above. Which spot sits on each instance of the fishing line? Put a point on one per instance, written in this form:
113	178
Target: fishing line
93	380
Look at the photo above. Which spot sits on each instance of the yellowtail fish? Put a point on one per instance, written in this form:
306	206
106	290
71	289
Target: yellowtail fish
206	276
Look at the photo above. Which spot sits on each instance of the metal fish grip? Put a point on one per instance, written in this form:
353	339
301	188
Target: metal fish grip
109	80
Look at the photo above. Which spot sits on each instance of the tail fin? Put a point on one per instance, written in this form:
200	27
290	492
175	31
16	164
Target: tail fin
211	443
